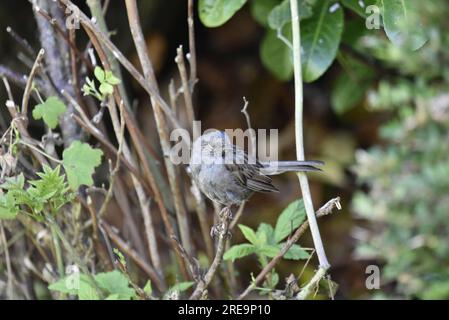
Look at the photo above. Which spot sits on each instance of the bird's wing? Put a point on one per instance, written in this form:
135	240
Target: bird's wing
249	174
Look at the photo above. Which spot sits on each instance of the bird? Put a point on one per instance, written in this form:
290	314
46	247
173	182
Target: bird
228	176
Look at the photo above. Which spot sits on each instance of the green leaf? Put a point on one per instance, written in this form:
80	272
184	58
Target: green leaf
249	233
239	251
344	97
359	6
295	253
265	234
79	161
402	24
106	88
276	56
260	10
268	250
87	292
181	286
115	282
214	13
69	284
113	297
111	79
8	213
99	74
321	35
148	288
281	14
289	220
49	111
16	182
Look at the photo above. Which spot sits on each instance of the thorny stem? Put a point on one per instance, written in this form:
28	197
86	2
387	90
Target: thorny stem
307	197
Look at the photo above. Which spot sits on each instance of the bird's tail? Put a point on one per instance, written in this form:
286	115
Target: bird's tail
278	167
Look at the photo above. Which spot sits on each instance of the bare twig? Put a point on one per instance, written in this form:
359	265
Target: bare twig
323	211
21	41
29	85
9	288
126	249
185	86
192	49
116	166
202	218
146	85
223	228
174	181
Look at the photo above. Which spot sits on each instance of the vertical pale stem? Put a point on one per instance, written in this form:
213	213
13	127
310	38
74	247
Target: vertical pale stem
299	136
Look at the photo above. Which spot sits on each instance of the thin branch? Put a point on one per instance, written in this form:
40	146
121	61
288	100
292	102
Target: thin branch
192	49
299	136
173	178
185	86
146	85
116	166
252	149
15	77
126	249
21	41
223	230
9	288
323	211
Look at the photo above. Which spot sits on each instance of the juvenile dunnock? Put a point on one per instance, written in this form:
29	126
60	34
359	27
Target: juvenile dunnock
227	175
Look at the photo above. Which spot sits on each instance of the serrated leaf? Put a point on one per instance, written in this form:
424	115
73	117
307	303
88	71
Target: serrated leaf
50	111
249	233
115	282
99	74
8	213
265	234
281	14
87	292
268	250
402	24
69	284
214	13
239	251
17	182
320	38
276	56
295	252
80	161
289	220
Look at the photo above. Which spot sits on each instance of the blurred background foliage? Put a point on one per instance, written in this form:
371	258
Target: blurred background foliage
378	117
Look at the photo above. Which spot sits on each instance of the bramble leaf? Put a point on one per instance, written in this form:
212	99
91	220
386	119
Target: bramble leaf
289	220
80	161
249	233
50	111
239	251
